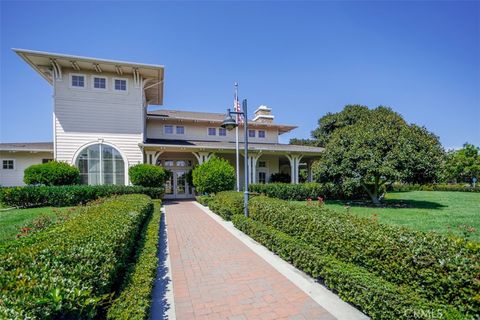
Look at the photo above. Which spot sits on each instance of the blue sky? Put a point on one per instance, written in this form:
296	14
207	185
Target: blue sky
303	59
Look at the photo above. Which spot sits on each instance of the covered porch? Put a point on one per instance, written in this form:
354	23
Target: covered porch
179	157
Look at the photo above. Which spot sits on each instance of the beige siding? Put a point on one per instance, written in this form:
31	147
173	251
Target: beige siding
85	116
156	130
22	160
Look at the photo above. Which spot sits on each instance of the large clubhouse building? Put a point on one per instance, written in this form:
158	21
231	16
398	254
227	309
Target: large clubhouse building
102	124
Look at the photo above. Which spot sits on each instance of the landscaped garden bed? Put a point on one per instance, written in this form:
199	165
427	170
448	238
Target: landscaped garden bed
389	272
73	269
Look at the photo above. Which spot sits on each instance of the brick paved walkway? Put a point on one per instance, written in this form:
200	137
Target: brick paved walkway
216	276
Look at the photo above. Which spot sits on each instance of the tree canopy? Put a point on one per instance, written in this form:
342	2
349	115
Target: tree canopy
464	164
372	148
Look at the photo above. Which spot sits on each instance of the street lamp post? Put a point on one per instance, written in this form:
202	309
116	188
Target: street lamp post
229	123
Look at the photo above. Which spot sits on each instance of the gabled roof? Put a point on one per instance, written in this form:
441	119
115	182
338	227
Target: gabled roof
48	63
210	117
27	146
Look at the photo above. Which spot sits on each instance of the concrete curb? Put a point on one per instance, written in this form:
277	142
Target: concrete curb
163	302
319	293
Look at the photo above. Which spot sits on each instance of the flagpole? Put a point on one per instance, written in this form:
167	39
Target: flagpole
236	139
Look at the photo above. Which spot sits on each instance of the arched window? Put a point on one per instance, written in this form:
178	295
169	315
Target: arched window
101	164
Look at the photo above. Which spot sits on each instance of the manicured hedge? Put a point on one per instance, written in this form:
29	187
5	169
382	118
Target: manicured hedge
61	196
439	268
376	297
226	204
303	191
70	270
435	187
288	191
134	301
203	200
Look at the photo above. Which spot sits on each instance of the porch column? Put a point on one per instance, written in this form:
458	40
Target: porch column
309	171
294	166
149	157
202	156
252	162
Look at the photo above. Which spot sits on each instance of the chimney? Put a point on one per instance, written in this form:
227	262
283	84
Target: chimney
263	115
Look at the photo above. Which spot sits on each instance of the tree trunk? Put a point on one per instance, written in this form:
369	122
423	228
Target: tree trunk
373	194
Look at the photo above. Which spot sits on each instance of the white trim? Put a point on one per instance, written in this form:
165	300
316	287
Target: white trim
118	90
70	77
100	141
265	116
319	293
100	77
14	164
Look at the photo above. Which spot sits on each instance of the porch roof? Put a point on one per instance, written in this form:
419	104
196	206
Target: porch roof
27	146
202	145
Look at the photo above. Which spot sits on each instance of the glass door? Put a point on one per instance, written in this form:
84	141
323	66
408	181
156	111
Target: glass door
180	183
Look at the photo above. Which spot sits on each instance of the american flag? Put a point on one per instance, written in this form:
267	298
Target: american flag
236	105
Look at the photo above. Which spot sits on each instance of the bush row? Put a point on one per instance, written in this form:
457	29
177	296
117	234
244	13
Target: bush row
376	297
302	191
226	204
135	298
441	269
434	187
70	270
60	196
203	200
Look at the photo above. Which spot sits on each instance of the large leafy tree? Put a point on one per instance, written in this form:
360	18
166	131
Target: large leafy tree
377	149
464	164
331	122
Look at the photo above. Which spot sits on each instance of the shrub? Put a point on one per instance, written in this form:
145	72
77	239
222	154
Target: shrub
70	270
440	269
147	175
376	297
287	191
52	173
302	191
227	203
213	176
434	187
135	298
203	200
61	196
280	177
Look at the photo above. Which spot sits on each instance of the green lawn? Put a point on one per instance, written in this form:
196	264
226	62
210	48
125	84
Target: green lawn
440	211
12	220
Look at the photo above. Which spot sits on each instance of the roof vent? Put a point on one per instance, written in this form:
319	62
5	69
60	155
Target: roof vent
263	114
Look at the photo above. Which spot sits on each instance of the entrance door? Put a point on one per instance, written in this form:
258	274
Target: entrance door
176	186
180	184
